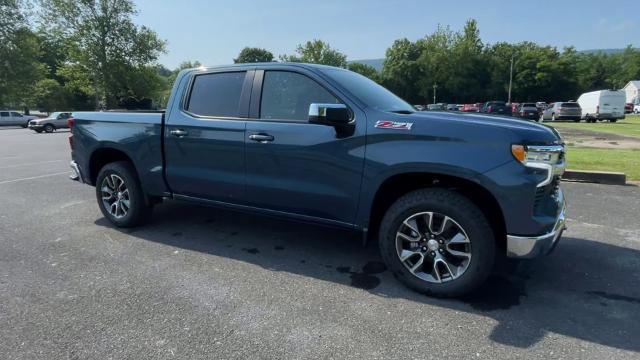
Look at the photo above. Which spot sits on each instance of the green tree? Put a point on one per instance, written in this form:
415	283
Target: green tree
317	52
49	95
366	70
253	55
106	48
400	70
19	52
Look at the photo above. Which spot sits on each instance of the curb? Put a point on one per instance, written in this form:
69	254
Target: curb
600	177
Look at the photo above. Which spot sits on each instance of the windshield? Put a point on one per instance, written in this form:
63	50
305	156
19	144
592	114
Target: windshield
570	105
368	91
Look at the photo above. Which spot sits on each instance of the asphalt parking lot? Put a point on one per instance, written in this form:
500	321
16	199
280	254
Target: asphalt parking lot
204	283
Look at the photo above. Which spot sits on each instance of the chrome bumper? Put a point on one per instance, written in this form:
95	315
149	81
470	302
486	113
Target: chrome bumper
77	175
526	247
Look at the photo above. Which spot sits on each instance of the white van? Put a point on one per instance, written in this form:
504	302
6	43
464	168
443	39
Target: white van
602	105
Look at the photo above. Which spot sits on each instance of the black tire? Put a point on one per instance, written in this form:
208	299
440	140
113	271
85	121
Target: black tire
139	211
613	120
49	128
462	211
577	120
38	131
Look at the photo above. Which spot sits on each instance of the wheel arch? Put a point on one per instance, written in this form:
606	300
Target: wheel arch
103	156
397	185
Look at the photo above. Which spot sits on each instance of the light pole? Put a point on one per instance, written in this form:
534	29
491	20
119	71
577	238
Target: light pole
435	86
510	79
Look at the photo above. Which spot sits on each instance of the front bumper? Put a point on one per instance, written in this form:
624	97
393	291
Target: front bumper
35	126
526	247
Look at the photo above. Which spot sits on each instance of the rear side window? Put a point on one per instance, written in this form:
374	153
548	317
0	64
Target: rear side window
216	94
287	96
4	114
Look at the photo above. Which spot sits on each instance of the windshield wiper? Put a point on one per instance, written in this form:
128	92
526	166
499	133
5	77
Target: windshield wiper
402	111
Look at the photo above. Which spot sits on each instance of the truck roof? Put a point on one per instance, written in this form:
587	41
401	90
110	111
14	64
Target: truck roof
267	64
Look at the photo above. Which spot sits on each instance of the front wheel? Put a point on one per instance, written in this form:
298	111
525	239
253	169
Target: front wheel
49	128
437	242
613	120
120	195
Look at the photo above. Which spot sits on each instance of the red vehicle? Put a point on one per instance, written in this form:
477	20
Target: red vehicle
628	108
470	108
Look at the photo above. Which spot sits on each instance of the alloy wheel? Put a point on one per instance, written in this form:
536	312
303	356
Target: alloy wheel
433	247
115	196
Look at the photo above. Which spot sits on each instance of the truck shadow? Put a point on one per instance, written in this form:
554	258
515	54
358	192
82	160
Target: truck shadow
586	290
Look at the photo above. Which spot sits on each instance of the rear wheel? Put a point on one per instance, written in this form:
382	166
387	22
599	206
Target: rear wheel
49	128
613	120
437	242
120	195
553	117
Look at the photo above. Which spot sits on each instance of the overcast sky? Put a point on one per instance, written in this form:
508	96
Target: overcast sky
213	32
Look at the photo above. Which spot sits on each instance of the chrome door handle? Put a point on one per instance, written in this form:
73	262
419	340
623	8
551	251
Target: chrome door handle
178	132
262	138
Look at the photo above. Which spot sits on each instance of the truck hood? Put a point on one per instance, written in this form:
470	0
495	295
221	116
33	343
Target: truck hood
525	131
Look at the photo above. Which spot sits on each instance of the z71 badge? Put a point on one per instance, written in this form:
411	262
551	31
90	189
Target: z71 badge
384	124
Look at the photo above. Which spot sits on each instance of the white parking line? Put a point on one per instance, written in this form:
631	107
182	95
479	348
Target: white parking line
34	177
29	164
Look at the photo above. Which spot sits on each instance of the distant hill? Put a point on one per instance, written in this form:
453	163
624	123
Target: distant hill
377	63
603	51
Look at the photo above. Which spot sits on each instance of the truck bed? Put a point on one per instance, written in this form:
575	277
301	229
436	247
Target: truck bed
136	134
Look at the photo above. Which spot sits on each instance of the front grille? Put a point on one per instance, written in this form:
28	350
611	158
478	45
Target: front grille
544	201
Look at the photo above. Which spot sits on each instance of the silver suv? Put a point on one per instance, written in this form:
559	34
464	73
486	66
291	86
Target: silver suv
14	118
57	120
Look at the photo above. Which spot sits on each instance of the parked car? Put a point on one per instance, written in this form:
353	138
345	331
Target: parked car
419	107
438	106
14	118
562	111
452	107
541	105
636	109
514	107
602	105
444	192
57	120
628	108
527	111
469	108
496	107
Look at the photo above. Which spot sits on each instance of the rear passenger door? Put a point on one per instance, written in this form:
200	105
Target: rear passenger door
204	136
294	166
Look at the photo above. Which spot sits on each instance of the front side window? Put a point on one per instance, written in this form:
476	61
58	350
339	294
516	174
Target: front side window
287	96
216	94
15	114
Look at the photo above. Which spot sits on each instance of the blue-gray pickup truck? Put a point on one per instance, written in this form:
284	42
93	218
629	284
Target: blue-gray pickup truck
443	193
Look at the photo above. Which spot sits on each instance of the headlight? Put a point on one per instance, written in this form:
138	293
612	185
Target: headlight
528	154
546	157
